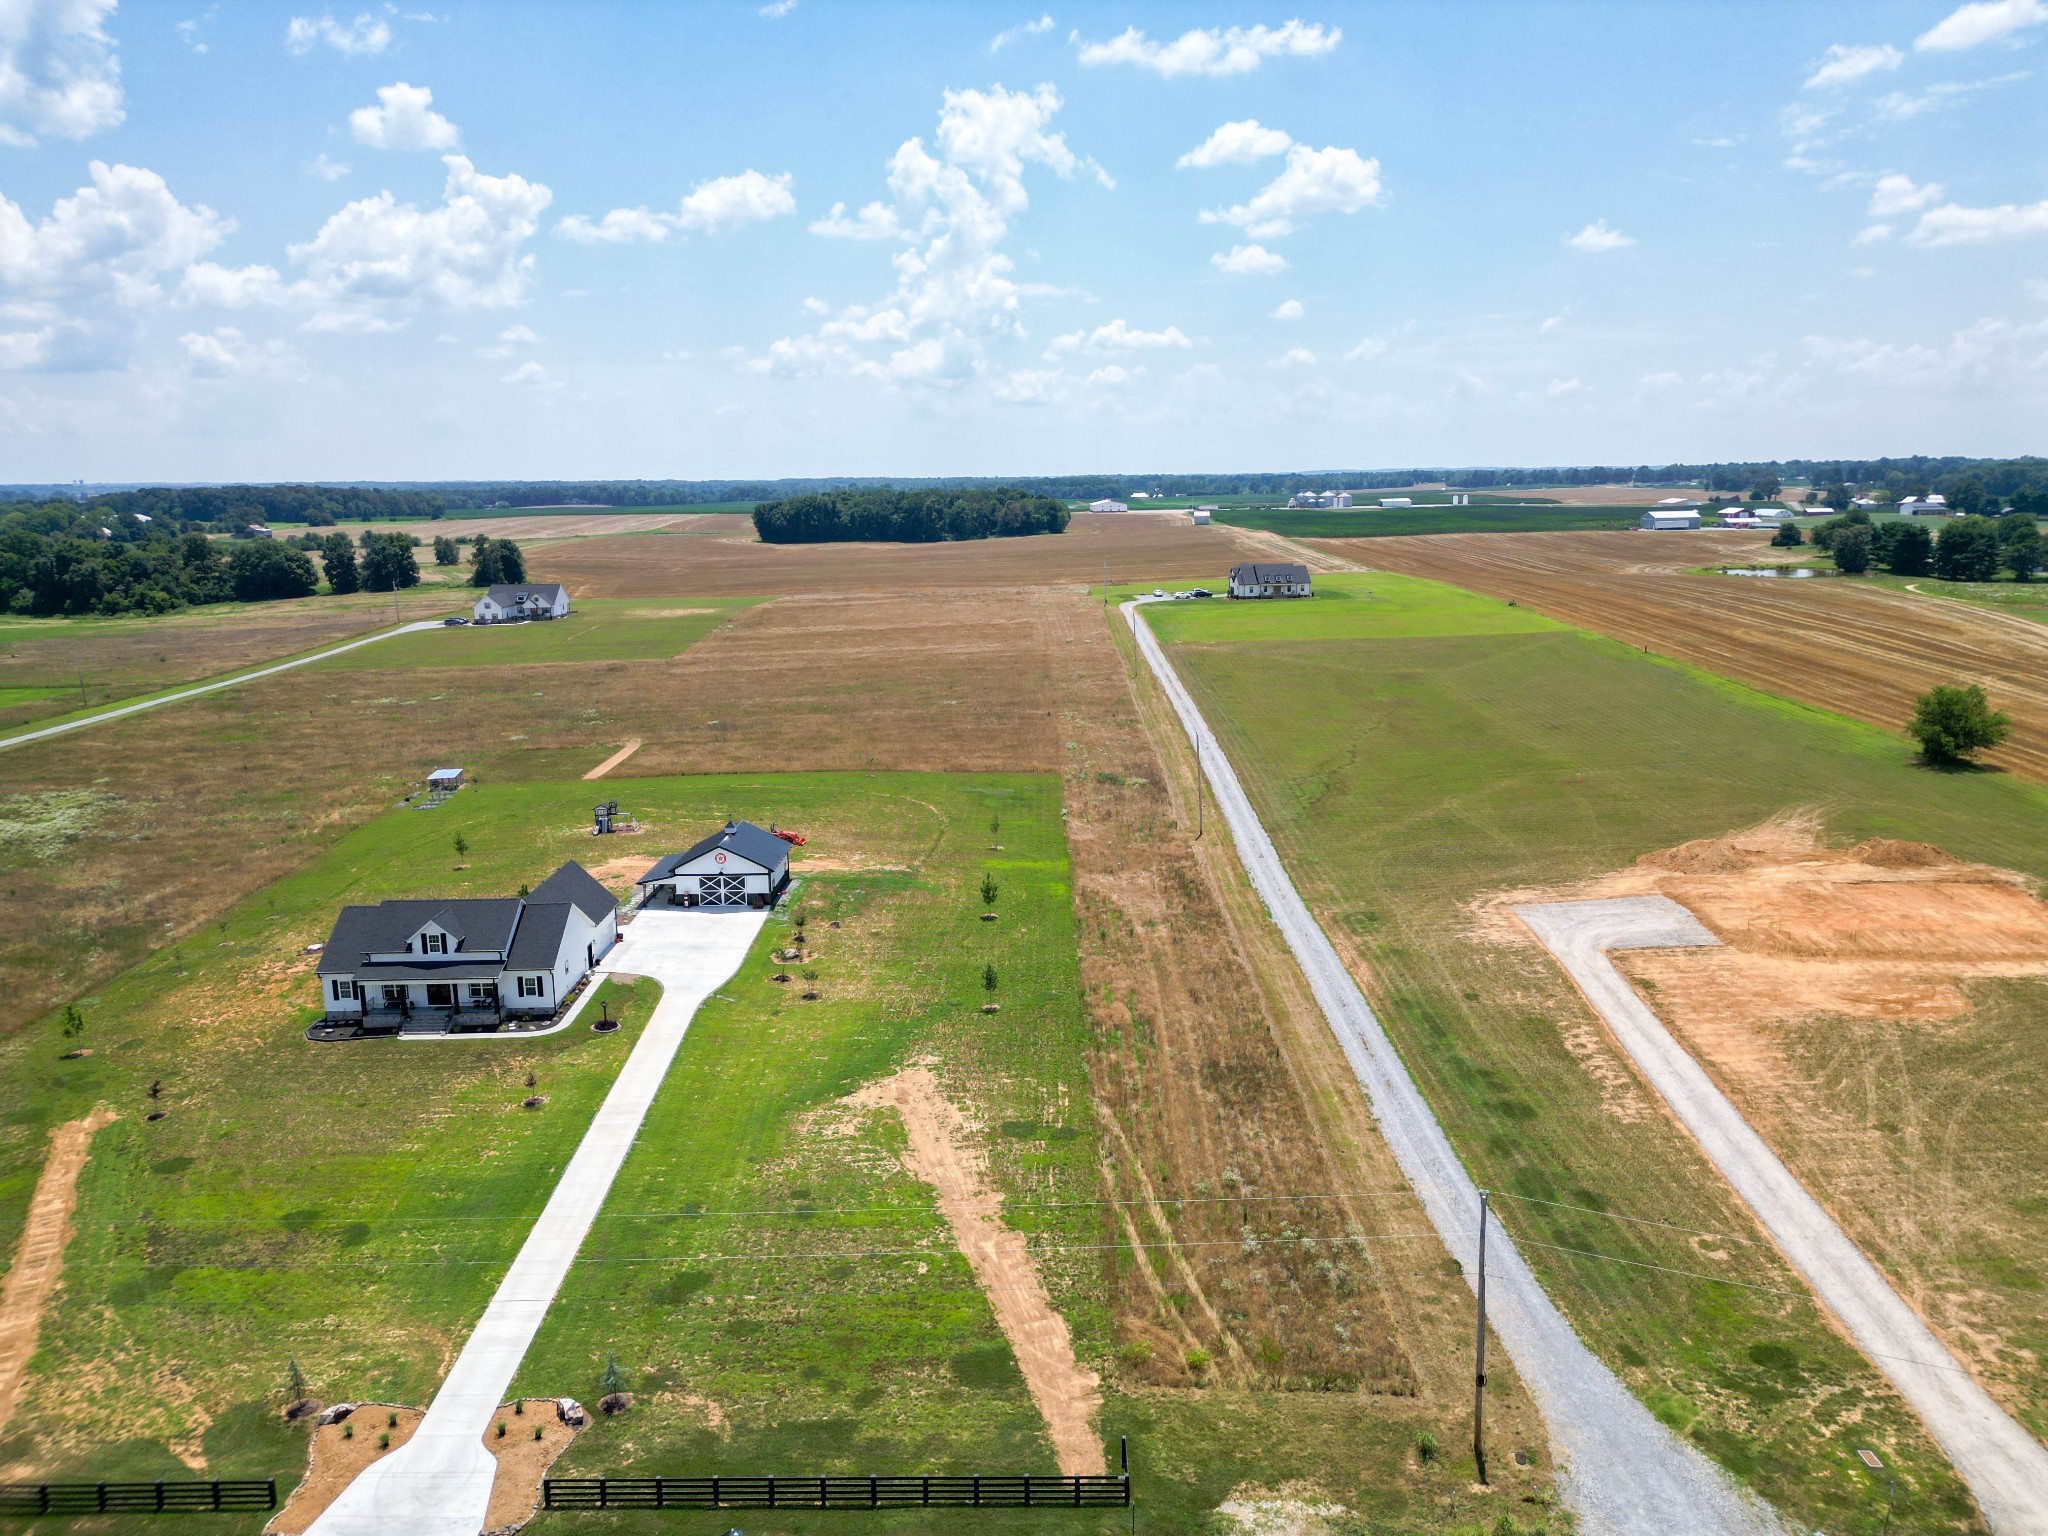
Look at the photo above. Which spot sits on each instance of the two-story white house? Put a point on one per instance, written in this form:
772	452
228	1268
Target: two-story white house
1262	580
740	865
503	603
435	966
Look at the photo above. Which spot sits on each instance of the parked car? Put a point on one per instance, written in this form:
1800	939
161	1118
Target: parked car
454	621
1159	591
1201	592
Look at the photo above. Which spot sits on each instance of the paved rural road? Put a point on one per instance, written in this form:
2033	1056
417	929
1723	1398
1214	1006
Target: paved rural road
439	1482
1622	1473
192	693
2005	1466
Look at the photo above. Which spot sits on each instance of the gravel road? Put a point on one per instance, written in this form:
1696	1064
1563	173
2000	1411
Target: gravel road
2004	1465
1621	1472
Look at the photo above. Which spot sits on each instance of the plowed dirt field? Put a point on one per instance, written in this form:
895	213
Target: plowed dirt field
1841	644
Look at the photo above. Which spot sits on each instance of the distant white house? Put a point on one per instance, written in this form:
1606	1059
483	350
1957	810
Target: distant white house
1258	580
1675	518
1320	499
1107	505
1925	506
740	865
504	603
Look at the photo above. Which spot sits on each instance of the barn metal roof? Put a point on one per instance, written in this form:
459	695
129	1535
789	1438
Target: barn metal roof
756	844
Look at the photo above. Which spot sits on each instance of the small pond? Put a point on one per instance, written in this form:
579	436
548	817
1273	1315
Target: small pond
1788	571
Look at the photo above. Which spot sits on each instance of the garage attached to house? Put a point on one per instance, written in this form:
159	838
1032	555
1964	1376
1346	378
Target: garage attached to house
741	865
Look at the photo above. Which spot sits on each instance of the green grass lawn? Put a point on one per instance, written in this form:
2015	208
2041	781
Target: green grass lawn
1414	746
1482	516
595	629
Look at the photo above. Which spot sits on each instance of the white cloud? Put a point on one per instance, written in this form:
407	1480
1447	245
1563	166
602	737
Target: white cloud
1953	224
1315	181
1597	237
1843	63
1113	374
1003	39
1237	144
189	29
877	221
225	351
404	118
326	169
1117	336
711	206
952	207
731	201
1366	350
1988	349
615	228
1290	310
208	285
360	39
72	284
1666	380
1870	234
1296	357
529	373
378	260
814	305
1550	323
1895	194
58	73
1903	106
1248	261
1214	50
1557	389
1029	386
775	10
1984	21
510	340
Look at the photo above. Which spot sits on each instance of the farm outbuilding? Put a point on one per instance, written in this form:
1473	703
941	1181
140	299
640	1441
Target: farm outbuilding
1251	580
1203	516
1925	506
1676	517
1106	505
740	865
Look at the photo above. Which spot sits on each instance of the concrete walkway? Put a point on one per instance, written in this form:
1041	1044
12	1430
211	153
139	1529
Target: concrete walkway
1622	1473
439	1482
2005	1466
25	737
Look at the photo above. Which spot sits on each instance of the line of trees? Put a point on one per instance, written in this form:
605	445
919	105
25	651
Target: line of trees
226	508
1967	548
909	517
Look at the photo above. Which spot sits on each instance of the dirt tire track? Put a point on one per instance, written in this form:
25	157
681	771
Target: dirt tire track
1067	1394
39	1258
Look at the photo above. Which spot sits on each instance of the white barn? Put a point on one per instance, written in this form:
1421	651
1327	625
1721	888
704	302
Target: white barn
1675	517
1106	505
1397	501
740	865
499	604
1925	506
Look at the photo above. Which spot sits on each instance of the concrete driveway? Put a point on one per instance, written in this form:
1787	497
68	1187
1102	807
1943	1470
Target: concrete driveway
439	1482
1622	1473
2005	1466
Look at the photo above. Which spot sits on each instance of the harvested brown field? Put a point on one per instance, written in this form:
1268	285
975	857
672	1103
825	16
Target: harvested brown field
101	661
1860	650
1876	1013
1130	548
564	525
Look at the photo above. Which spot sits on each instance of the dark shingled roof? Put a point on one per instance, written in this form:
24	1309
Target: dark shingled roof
740	837
539	938
579	888
505	595
1259	575
475	923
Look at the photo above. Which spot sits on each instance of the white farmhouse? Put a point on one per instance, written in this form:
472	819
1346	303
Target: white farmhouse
1257	580
434	966
1676	517
740	865
502	604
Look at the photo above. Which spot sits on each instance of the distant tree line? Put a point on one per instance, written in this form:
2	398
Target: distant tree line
908	517
223	509
1972	548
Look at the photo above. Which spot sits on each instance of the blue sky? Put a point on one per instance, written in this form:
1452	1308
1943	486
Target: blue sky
242	241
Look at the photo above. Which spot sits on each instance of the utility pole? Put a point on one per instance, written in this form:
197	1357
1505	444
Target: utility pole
1479	1371
1198	789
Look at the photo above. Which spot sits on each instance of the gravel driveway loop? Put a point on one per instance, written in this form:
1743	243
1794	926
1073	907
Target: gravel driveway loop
439	1482
2005	1466
1622	1473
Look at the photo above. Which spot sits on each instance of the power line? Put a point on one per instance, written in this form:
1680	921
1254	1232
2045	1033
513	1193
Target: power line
1641	1221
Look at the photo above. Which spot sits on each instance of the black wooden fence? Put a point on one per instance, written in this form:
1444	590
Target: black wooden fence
985	1491
135	1498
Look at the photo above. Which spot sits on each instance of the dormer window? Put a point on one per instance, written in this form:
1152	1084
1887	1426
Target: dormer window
434	943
